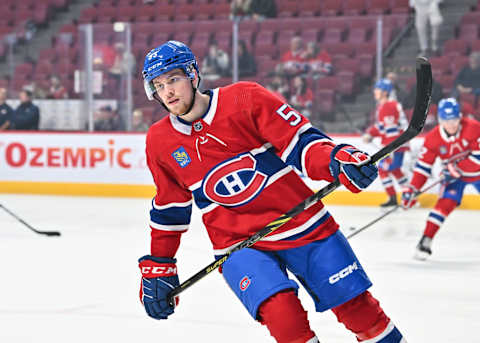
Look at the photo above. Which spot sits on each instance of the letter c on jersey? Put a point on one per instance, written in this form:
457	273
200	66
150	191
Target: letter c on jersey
234	182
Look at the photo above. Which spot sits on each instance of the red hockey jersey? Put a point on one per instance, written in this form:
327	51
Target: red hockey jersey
238	164
389	123
464	147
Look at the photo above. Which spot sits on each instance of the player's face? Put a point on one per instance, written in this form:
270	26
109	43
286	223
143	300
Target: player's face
175	91
451	126
377	94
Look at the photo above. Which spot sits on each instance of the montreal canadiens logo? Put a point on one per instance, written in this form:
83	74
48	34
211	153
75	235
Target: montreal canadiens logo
244	283
234	182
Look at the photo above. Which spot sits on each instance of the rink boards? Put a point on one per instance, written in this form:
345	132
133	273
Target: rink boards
113	164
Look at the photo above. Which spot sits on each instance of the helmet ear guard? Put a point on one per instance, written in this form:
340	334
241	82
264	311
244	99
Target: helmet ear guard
149	89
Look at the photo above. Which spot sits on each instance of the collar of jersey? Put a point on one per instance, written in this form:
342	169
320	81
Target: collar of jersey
451	138
185	127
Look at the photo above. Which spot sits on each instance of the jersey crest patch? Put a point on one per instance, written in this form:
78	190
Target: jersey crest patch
181	156
244	283
234	182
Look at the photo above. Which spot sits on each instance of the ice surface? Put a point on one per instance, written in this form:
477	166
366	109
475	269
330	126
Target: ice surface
83	286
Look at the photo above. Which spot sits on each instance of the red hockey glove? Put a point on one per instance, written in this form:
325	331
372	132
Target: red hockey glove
351	167
159	278
409	198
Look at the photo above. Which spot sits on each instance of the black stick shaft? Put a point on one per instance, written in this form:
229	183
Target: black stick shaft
393	209
47	233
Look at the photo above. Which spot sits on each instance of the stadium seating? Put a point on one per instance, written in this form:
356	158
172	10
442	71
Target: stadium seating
344	28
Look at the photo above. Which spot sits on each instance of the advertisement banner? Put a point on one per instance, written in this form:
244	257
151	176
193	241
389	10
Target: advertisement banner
74	157
113	164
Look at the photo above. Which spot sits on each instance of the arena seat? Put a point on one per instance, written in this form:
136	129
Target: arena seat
354	7
309	8
332	7
455	47
378	7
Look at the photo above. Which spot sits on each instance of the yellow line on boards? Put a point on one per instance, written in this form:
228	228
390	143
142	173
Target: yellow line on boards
339	197
81	189
469	201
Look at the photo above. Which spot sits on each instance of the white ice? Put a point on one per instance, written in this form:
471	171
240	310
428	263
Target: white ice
83	286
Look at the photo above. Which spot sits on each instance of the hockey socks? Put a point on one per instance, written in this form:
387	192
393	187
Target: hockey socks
285	318
437	216
365	318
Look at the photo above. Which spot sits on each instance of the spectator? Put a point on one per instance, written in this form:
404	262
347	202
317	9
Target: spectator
262	9
318	63
280	84
106	119
302	96
216	63
123	62
427	11
6	112
246	61
272	87
468	79
27	115
56	90
103	56
37	91
293	60
256	9
241	8
138	124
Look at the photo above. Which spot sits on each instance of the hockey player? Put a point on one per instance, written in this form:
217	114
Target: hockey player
456	142
389	120
233	151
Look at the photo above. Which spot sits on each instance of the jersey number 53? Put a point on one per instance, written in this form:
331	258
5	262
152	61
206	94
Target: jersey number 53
287	113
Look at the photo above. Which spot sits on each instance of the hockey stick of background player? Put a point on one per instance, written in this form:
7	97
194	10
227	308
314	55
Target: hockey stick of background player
456	158
393	209
46	233
422	101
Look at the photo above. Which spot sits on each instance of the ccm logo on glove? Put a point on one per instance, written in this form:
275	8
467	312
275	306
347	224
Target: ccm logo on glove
152	269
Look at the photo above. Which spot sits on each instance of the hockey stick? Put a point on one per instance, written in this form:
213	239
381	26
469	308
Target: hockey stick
46	233
457	158
393	209
422	101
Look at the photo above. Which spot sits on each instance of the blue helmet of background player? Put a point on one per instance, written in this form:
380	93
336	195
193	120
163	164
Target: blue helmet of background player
448	109
384	84
168	56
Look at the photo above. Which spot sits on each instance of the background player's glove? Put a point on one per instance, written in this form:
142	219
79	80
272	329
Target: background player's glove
351	167
159	277
367	138
409	198
451	172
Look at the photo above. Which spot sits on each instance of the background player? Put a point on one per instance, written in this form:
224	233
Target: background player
456	142
389	123
233	151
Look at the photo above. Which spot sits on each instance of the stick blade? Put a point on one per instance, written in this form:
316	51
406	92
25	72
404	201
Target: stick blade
50	233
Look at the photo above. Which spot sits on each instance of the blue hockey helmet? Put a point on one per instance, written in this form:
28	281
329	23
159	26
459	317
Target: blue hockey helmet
384	84
166	57
448	109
